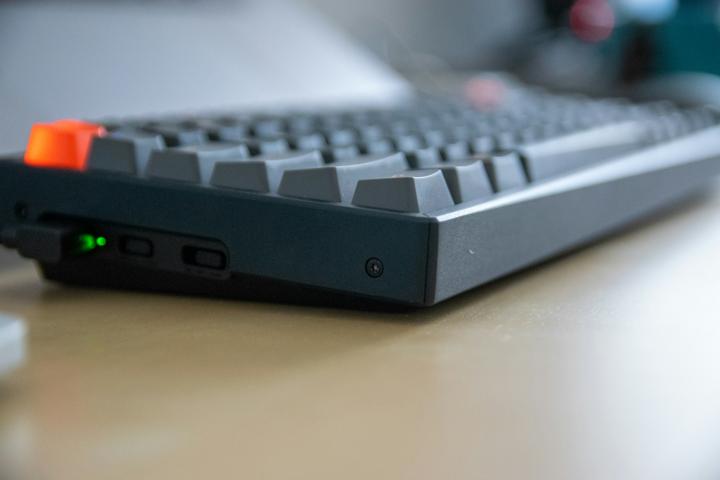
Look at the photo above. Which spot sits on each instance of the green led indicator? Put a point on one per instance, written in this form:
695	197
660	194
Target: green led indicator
88	243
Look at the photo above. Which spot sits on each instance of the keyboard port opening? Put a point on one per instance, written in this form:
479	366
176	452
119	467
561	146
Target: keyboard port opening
136	246
204	258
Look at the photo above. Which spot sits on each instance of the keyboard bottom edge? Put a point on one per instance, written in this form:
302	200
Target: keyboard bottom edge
113	275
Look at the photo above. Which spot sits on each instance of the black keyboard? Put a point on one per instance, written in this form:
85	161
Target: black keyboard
410	205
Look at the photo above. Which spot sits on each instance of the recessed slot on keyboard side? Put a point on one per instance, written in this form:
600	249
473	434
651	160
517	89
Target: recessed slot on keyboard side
159	250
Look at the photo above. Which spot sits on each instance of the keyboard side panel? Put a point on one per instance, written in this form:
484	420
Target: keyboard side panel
307	243
482	243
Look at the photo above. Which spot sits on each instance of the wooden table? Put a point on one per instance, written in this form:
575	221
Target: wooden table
603	364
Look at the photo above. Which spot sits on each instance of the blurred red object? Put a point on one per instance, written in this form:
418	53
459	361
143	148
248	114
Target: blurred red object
485	93
592	20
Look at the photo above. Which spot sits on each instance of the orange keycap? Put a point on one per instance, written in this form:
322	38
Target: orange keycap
61	144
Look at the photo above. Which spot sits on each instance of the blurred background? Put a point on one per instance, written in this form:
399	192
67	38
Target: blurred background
639	48
97	58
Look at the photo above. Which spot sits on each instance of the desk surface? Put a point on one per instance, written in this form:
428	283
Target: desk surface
601	364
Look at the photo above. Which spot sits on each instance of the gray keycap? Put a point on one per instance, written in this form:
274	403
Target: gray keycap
176	135
340	154
434	138
505	141
505	171
341	137
301	123
380	146
581	149
336	182
268	127
220	131
456	151
266	145
410	192
193	164
124	151
261	174
483	144
424	158
371	132
408	143
466	181
307	142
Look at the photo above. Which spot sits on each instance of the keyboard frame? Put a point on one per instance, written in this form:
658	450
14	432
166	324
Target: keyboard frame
279	245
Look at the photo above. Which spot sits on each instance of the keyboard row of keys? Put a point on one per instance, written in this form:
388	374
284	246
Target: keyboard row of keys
129	150
532	117
357	157
307	176
339	174
452	141
143	154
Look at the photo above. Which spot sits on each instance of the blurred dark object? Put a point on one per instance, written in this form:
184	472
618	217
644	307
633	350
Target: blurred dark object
651	49
637	59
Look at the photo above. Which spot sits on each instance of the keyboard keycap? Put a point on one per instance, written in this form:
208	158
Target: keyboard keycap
424	158
483	144
193	164
408	143
176	135
268	127
456	151
219	131
61	144
261	174
342	137
301	124
266	145
434	138
371	132
336	183
380	146
124	151
466	181
400	128
410	192
306	142
505	171
505	141
564	154
340	154
460	132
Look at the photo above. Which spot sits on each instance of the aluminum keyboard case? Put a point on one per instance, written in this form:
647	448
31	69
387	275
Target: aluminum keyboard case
279	246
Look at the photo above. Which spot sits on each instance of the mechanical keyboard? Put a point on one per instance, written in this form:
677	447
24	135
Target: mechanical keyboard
411	205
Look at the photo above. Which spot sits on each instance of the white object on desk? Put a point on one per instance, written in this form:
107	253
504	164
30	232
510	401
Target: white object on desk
12	343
